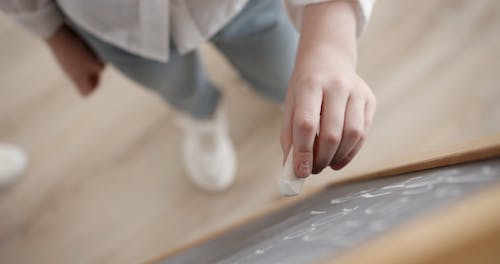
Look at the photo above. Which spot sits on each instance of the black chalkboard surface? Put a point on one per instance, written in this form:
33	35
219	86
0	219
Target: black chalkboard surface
343	217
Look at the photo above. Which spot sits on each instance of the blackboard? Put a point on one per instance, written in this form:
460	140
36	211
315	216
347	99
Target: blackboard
343	217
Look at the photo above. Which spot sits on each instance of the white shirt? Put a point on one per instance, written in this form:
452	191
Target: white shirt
144	27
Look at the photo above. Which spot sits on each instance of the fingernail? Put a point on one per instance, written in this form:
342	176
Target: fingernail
304	169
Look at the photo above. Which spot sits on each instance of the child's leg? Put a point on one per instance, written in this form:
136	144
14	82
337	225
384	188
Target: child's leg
261	43
181	81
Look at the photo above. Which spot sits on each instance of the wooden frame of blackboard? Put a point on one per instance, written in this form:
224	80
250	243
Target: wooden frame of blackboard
484	148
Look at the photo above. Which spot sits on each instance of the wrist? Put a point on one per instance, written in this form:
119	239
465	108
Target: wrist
329	29
331	51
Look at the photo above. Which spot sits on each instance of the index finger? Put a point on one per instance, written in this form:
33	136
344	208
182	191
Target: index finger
306	117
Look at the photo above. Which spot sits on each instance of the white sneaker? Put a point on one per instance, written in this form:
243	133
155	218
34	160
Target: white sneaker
13	163
208	153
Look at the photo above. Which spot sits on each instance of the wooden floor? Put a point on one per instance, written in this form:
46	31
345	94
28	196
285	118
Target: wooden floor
105	183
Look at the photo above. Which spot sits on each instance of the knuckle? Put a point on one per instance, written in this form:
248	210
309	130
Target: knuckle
331	138
311	81
306	124
355	133
341	84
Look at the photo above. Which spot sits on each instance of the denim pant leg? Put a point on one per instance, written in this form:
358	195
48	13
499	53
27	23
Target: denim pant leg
261	44
181	81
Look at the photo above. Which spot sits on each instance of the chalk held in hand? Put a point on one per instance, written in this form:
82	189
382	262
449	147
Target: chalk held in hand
289	184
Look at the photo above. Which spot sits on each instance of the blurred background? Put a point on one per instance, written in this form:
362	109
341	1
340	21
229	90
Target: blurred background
105	182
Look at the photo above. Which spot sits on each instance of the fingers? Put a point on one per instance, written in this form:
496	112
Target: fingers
342	163
342	112
369	112
354	127
307	110
330	134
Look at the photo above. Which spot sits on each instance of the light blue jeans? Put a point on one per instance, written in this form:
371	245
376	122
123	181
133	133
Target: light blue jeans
260	43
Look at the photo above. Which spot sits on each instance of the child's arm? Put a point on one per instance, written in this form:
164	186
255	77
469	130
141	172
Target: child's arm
326	91
44	19
76	59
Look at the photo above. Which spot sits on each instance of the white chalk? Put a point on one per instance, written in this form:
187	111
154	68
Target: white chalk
289	184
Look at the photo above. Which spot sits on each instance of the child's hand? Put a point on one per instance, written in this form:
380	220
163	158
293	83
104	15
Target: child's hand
81	65
325	94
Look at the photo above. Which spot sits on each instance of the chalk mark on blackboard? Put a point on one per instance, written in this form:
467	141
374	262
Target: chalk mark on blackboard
333	234
329	219
299	233
343	199
313	212
369	195
261	251
425	181
347	210
395	186
419	190
386	208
